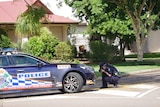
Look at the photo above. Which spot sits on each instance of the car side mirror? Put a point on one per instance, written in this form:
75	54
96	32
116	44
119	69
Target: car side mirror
39	64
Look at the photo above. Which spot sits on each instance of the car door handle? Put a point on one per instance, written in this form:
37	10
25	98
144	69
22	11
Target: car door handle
20	70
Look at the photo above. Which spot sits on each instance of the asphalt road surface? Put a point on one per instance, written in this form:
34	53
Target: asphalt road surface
137	90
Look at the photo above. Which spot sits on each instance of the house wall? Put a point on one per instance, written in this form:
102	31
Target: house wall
79	38
12	36
80	29
153	42
60	31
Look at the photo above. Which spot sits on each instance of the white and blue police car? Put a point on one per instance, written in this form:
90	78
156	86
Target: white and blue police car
20	72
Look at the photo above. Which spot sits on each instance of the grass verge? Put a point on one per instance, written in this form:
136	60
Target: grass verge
131	66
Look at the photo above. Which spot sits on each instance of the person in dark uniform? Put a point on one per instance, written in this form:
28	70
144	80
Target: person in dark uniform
109	75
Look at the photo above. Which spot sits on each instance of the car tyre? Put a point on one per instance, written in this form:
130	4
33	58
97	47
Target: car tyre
72	82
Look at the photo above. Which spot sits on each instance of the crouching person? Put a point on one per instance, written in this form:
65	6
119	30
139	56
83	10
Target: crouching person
109	75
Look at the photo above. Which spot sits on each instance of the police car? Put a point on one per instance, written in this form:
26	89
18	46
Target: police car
20	72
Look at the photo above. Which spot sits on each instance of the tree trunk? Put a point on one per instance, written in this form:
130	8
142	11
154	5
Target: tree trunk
122	48
139	44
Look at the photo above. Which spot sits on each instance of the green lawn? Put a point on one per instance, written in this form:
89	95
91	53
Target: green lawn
127	69
151	61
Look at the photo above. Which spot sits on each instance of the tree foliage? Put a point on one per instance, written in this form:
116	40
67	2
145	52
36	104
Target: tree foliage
28	23
144	15
5	42
104	19
124	17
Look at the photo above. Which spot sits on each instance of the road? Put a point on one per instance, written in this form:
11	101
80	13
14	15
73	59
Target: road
138	90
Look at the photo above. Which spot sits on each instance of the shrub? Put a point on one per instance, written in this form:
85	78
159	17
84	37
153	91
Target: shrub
34	46
63	51
42	46
74	51
100	51
4	41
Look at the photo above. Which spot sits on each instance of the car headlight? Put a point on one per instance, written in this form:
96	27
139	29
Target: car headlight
88	68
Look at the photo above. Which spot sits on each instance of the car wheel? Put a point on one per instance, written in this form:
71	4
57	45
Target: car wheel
72	82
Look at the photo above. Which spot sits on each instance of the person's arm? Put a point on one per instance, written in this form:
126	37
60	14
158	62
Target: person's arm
103	71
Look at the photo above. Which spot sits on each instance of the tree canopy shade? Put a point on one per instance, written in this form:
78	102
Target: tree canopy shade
123	17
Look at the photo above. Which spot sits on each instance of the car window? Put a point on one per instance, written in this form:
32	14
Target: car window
24	60
3	61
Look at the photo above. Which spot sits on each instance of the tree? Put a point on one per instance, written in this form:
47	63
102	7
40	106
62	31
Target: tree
105	19
112	23
143	14
28	24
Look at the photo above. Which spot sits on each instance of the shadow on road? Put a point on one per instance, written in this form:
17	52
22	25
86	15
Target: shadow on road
152	77
31	94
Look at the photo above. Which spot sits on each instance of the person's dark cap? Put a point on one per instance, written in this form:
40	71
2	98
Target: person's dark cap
103	64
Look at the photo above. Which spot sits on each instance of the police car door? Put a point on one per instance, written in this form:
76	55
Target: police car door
28	75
